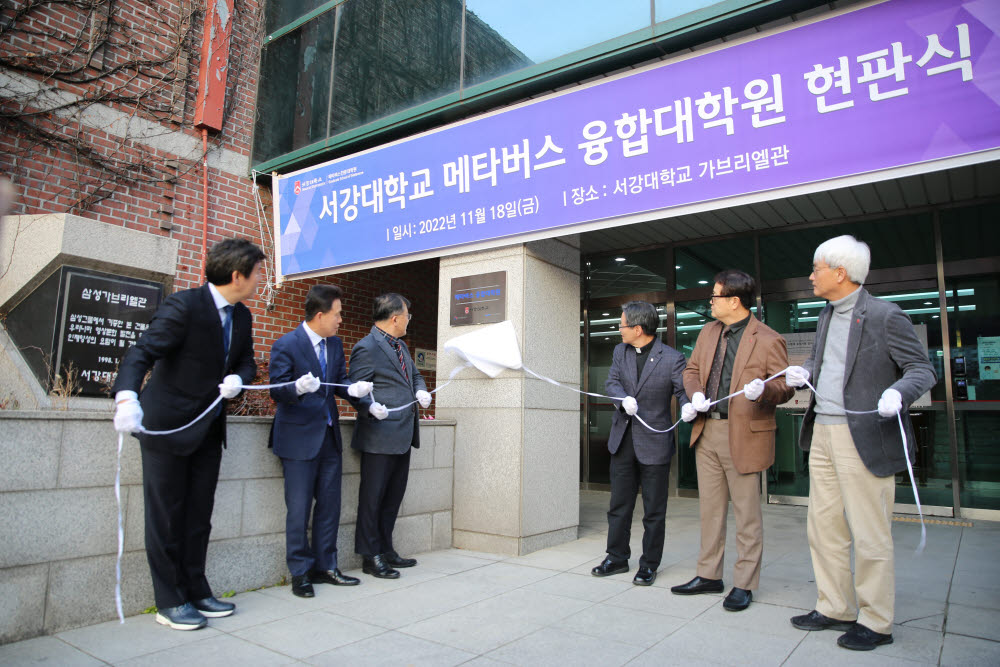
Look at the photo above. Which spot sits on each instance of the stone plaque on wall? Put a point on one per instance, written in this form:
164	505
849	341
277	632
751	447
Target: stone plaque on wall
480	299
100	316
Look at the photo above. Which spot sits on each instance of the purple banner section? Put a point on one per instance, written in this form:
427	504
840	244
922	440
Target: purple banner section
899	83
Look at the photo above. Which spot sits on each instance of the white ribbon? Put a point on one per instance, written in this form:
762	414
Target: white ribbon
121	532
492	350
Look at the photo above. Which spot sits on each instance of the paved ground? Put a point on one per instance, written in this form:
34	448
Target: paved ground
460	607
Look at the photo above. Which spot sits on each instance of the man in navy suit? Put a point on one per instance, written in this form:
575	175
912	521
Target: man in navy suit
306	436
197	339
646	373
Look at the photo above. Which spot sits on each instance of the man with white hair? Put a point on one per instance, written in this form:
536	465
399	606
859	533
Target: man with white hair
866	352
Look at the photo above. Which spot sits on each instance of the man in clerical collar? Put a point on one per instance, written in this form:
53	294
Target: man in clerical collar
733	439
645	373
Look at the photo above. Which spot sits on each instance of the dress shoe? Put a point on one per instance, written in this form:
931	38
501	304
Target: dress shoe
302	587
393	559
699	585
737	600
861	638
334	576
817	621
214	608
645	576
609	567
184	617
377	567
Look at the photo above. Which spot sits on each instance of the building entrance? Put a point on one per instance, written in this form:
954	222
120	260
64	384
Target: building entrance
938	264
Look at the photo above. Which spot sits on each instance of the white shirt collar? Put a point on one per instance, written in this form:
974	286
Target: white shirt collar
314	337
220	301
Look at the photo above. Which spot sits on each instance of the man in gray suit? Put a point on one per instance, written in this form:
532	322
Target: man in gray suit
384	438
645	372
866	353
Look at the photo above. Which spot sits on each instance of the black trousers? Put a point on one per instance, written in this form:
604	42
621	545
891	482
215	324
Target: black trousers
627	475
383	484
179	494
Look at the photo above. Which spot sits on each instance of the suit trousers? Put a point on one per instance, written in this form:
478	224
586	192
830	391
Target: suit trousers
627	475
383	484
845	500
179	494
718	483
316	480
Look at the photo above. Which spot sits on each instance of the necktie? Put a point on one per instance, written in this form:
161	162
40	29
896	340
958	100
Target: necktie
322	372
402	362
227	330
715	376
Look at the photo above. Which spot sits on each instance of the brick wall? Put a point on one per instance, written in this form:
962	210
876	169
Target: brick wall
163	150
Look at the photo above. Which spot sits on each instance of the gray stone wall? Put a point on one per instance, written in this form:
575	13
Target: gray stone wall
58	515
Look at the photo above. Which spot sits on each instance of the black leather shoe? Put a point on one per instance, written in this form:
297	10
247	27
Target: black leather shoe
334	576
861	638
609	567
184	617
699	585
393	559
817	621
645	576
302	587
737	600
214	608
377	567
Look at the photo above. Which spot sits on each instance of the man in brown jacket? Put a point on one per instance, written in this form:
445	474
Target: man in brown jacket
734	439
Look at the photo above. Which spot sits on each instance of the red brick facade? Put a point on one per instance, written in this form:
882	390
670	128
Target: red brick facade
65	160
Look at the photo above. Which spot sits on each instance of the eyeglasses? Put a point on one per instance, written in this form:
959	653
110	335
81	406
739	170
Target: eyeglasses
720	296
627	326
409	316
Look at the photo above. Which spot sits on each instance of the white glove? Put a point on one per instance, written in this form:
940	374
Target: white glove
423	398
890	403
630	406
753	389
688	413
360	388
231	386
307	384
128	416
796	376
378	411
700	403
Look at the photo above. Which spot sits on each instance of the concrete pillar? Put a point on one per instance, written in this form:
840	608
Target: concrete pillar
517	441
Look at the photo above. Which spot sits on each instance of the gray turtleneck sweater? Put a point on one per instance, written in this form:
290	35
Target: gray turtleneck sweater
830	383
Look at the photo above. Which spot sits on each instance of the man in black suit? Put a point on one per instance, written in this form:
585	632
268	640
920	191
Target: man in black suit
384	438
644	370
198	337
306	436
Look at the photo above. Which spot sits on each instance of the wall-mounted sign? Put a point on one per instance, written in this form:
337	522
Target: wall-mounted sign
893	84
100	317
425	360
988	348
479	299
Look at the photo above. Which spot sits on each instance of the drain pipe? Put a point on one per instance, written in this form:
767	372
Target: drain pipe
204	203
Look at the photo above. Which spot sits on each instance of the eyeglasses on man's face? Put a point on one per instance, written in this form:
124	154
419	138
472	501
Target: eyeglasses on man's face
719	296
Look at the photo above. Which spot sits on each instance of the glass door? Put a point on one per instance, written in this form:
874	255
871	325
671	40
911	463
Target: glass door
974	328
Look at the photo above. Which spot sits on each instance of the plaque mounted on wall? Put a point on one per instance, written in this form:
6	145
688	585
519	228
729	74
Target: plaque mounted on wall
99	317
480	299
